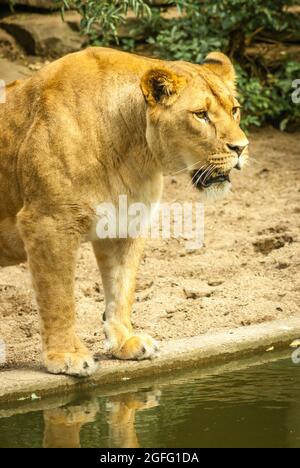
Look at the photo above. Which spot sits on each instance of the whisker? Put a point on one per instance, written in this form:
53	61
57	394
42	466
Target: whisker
249	161
192	182
199	178
208	174
187	168
207	171
201	175
198	171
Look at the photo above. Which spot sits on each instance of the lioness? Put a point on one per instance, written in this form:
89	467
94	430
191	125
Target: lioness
83	130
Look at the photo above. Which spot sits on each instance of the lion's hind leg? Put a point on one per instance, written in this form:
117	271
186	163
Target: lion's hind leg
12	251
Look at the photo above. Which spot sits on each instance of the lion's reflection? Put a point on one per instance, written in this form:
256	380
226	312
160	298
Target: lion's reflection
63	425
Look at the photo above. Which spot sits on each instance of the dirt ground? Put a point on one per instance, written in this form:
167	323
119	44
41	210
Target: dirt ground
247	272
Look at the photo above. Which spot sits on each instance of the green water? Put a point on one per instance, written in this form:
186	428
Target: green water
248	404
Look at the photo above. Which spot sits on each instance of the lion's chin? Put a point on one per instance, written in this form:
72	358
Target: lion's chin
216	191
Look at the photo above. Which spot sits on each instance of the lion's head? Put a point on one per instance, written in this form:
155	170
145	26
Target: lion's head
193	120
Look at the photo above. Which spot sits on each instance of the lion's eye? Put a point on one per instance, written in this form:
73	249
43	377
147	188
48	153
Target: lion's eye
236	112
202	116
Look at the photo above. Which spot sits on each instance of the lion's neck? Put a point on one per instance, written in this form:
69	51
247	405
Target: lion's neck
127	152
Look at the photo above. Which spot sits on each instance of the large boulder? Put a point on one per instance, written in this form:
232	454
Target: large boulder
46	4
8	45
11	71
43	34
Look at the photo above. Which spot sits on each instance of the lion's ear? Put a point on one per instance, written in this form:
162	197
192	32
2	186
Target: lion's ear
161	86
221	65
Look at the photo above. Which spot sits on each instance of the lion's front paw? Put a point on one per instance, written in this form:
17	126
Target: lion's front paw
137	347
76	364
83	413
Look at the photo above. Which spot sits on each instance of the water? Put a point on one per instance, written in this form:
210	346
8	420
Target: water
248	404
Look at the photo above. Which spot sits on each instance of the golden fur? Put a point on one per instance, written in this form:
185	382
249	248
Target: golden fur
83	130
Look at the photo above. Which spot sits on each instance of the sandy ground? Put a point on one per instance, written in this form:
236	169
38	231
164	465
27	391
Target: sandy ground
246	273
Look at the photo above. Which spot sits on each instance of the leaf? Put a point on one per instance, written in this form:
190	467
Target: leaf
284	123
295	344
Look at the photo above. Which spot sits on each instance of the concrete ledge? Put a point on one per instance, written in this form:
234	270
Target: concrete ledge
177	354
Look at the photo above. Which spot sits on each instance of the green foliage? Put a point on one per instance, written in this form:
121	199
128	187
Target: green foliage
105	15
11	4
205	25
270	100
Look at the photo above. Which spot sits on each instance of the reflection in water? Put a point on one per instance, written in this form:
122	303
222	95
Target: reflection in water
121	419
63	425
234	405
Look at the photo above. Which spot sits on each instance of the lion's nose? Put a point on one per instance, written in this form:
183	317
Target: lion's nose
237	149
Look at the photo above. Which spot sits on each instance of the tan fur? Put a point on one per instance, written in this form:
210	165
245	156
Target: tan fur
83	130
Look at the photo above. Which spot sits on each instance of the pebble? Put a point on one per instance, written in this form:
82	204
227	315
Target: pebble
217	282
192	294
282	265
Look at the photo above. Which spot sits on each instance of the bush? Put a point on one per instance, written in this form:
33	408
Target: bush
232	26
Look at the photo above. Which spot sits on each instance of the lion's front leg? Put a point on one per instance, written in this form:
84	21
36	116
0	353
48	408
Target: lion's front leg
118	261
52	243
63	425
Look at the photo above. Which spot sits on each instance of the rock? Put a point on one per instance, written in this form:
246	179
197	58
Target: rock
267	244
6	39
216	282
245	323
45	4
11	71
282	265
144	297
44	35
192	294
9	46
141	286
73	19
37	65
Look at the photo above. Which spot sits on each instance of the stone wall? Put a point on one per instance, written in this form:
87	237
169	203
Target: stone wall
46	4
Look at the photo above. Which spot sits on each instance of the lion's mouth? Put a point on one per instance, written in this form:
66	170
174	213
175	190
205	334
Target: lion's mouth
202	180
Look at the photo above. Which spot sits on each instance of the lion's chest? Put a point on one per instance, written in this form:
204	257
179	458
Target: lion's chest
128	215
